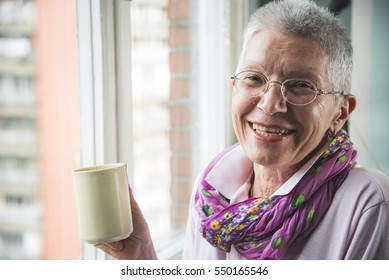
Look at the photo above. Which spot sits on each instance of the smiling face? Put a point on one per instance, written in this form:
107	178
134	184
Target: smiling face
274	133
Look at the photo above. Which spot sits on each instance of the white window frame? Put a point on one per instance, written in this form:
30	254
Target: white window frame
216	60
105	87
212	54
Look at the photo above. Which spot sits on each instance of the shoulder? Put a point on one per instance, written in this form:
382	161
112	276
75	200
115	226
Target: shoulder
368	183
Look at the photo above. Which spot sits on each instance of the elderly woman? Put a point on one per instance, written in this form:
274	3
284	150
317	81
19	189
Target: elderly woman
290	189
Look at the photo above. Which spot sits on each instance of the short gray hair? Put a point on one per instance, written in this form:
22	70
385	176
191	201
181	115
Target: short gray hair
304	18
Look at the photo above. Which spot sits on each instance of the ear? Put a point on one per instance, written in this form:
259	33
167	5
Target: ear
347	106
232	81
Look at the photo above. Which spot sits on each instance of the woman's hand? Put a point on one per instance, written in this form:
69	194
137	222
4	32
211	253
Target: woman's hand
138	246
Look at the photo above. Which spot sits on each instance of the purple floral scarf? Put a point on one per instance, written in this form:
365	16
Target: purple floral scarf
265	228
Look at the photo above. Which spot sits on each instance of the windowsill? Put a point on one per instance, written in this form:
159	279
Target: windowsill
174	250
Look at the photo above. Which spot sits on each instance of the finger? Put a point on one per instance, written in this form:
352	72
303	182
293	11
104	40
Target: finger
132	198
114	246
135	208
117	246
103	247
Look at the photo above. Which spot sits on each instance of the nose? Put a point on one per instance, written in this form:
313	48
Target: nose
272	101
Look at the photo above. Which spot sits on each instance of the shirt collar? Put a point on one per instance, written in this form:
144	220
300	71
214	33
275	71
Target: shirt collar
230	172
230	175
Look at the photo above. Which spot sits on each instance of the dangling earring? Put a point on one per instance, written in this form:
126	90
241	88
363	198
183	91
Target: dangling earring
330	134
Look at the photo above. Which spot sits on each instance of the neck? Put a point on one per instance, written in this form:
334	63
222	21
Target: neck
267	181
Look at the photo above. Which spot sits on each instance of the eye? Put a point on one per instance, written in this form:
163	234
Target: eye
254	79
300	87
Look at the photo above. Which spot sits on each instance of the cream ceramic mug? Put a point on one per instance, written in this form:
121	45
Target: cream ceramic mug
103	203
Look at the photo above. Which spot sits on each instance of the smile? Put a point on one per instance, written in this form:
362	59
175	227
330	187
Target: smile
270	131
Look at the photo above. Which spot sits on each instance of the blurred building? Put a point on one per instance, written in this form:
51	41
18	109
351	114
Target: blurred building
20	206
38	129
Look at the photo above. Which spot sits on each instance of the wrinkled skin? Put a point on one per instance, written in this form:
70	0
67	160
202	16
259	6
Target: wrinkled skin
277	157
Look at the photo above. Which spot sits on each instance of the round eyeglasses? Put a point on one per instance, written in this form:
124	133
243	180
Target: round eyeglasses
295	91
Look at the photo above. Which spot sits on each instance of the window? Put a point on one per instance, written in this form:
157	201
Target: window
154	90
151	119
180	85
154	94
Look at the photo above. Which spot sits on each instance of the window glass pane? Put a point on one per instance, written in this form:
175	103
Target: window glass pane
180	73
161	114
150	77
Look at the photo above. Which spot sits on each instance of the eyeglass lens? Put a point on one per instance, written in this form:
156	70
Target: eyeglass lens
295	91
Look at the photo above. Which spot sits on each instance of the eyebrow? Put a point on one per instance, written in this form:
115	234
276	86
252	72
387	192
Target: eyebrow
251	66
307	73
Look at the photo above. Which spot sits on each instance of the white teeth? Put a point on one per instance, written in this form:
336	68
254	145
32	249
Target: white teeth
269	131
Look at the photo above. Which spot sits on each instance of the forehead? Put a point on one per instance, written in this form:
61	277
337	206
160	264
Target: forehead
275	52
